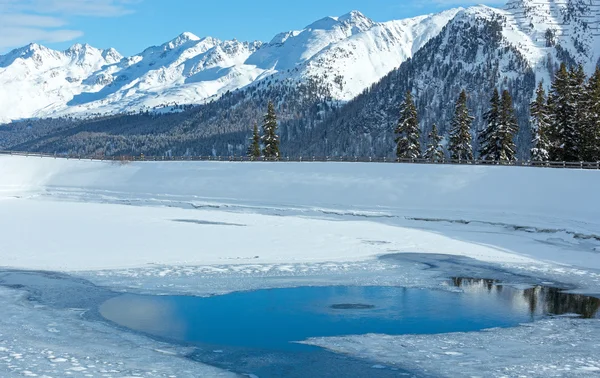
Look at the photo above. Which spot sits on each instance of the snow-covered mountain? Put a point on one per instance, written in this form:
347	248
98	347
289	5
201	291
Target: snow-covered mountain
480	49
346	53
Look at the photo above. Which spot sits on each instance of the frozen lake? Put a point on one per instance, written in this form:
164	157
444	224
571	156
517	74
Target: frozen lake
358	270
254	332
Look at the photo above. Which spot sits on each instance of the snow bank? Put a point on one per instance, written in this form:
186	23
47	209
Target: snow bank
559	347
504	192
68	214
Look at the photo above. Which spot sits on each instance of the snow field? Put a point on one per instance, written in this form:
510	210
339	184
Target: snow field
169	227
558	347
43	342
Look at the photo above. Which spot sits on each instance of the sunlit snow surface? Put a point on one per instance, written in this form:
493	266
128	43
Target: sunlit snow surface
194	228
44	342
558	347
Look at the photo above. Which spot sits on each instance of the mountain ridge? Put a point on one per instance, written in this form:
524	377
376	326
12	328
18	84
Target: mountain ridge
341	99
193	70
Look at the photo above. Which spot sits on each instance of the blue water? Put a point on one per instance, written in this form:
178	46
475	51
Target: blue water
273	319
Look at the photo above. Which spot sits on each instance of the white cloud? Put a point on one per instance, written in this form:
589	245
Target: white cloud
46	21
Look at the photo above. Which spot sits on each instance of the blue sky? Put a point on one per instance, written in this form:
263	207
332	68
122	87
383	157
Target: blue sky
132	25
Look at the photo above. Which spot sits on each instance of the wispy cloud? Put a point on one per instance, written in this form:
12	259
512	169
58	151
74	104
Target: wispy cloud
46	21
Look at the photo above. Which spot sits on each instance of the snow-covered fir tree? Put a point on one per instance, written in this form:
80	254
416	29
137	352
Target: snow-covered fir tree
489	138
435	149
507	129
270	139
563	134
254	148
540	125
408	132
460	133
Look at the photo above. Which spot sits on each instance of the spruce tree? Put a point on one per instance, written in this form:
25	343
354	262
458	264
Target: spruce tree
590	135
563	135
254	148
270	139
578	98
460	132
489	139
408	132
435	149
507	129
540	126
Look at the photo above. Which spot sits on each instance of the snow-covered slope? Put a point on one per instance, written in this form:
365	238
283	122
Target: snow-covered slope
480	49
355	63
38	82
343	54
34	78
572	25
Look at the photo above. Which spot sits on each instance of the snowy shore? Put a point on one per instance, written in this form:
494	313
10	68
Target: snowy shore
162	226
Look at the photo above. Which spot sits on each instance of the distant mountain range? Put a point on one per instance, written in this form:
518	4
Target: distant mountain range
337	83
349	53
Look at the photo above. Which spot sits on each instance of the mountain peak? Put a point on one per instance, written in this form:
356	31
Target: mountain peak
182	39
78	47
358	21
111	55
188	36
28	49
353	16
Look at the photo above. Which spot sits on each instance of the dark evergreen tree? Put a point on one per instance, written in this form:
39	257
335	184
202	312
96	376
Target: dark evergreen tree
408	133
460	132
270	139
489	138
563	135
540	126
507	129
590	133
254	148
578	95
435	149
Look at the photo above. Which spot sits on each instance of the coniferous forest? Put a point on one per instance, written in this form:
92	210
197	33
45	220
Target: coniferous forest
565	124
562	124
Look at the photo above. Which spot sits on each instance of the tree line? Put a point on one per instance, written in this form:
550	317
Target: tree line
565	124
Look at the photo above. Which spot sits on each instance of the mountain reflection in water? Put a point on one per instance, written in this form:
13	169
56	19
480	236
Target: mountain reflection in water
540	300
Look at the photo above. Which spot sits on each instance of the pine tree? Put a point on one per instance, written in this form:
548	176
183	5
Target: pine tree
540	125
590	133
507	129
563	135
270	138
489	138
578	98
435	149
460	132
254	148
407	142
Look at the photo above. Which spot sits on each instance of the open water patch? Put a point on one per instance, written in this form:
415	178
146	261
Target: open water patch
275	319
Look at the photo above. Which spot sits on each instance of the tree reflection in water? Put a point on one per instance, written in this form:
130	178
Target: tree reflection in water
540	300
